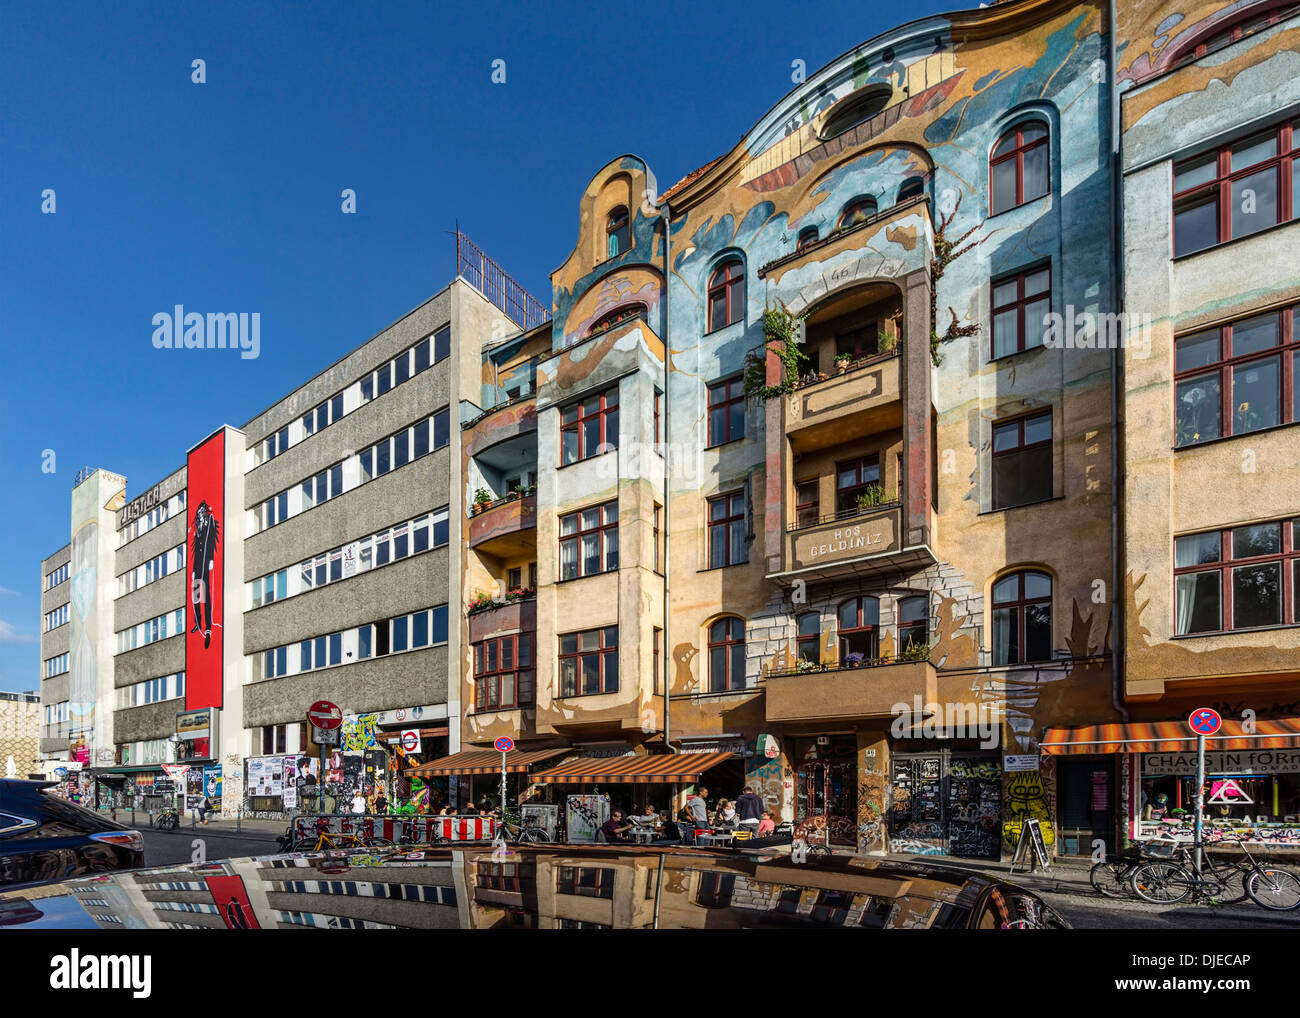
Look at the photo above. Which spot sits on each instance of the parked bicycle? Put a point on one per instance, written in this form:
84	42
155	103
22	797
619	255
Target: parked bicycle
327	840
518	829
1169	877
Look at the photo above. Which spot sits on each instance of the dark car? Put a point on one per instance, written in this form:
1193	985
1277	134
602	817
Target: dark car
44	838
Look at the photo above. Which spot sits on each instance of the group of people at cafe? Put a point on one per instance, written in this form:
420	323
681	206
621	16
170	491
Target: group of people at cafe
747	813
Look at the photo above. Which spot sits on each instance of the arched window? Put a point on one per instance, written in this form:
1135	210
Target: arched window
857	211
616	232
1018	167
807	236
726	655
859	623
727	294
910	188
913	623
810	637
1022	618
857	109
617	317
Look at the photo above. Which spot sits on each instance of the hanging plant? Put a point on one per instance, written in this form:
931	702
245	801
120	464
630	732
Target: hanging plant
779	336
945	253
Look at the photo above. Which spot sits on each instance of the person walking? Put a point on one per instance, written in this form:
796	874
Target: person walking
204	809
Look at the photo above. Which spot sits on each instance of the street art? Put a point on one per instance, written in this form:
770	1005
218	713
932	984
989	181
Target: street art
1026	799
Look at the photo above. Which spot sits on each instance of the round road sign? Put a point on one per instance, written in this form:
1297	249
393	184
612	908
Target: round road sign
324	714
1205	721
410	741
504	744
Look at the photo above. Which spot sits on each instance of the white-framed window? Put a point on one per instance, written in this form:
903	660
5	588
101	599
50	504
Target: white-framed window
164	687
425	628
151	630
56	665
58	617
59	575
155	569
146	522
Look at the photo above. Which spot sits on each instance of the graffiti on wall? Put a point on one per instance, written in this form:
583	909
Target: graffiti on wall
1026	799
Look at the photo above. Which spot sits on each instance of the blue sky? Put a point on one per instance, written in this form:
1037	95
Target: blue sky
225	196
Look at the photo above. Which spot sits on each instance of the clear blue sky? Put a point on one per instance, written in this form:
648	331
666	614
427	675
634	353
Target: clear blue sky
225	196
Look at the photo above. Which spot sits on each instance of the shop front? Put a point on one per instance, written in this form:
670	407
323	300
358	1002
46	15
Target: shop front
474	770
945	798
408	737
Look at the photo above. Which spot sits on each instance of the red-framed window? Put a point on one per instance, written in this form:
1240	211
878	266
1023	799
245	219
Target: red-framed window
659	409
859	210
727	530
807	503
589	427
1237	578
809	638
726	411
726	655
1019	167
503	672
1022	618
617	317
617	235
589	541
584	881
1021	303
658	531
1237	378
855	478
500	876
1241	188
1022	460
727	294
807	236
913	622
589	662
858	629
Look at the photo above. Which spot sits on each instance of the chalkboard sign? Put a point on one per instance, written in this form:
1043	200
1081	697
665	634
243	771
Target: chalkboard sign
1031	849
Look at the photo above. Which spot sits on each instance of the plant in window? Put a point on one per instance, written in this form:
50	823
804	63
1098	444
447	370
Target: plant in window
887	342
842	362
915	651
873	495
854	660
803	666
1246	419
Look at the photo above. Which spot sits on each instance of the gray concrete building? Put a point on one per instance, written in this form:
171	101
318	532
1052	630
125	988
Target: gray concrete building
55	608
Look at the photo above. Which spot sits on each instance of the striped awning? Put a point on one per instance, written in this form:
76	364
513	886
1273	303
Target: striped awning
659	768
1170	737
484	761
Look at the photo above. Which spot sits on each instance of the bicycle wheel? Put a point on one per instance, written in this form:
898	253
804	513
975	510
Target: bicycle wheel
1233	881
1278	890
379	843
1161	883
818	850
1111	879
534	836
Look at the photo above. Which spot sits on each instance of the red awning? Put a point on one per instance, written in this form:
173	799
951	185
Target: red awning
484	761
658	768
1169	736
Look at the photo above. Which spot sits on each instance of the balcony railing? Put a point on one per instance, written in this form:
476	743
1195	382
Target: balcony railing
484	604
843	514
477	508
494	283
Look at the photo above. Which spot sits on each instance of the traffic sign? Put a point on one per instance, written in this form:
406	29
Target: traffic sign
1205	721
324	714
411	740
504	744
325	736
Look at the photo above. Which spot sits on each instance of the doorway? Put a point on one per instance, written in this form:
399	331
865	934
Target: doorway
826	786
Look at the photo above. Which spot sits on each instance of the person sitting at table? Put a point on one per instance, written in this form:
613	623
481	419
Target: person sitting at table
726	818
647	819
614	827
469	809
767	825
670	832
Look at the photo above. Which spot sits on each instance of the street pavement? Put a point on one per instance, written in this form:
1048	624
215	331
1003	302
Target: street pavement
219	839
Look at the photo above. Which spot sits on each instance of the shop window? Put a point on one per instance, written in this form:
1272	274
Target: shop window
589	427
617	235
1018	167
1234	379
727	530
1022	461
726	655
1238	578
913	624
726	295
589	541
859	624
1021	303
859	210
1239	189
726	411
1022	618
589	662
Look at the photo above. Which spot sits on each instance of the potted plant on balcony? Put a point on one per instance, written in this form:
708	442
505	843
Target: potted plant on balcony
854	660
887	342
479	602
915	652
803	666
842	362
870	497
482	499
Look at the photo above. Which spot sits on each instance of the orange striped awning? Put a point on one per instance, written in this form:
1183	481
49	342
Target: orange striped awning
660	768
1169	736
484	761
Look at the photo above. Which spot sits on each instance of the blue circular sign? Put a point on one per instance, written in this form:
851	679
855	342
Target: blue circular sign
504	744
60	772
1205	721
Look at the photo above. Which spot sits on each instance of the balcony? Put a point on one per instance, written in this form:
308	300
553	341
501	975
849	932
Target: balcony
865	399
505	527
866	543
840	694
499	617
514	418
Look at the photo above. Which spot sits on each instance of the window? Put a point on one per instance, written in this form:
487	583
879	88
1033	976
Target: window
659	412
1021	304
618	316
912	187
59	575
859	623
726	655
656	662
589	662
584	881
726	295
807	504
503	672
441	428
807	237
274	739
442	344
715	890
1022	618
589	541
56	618
1242	188
1234	379
809	639
726	411
859	210
616	233
589	427
1018	167
658	538
858	109
1253	578
1022	461
727	530
913	623
857	479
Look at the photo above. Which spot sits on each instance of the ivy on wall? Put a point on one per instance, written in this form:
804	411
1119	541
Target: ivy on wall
945	253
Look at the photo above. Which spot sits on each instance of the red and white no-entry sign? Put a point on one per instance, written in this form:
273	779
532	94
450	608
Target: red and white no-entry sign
410	740
1205	721
324	714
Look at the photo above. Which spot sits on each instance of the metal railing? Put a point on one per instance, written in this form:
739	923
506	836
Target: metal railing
841	515
494	283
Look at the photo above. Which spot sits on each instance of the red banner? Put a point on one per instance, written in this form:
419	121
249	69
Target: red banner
231	898
205	509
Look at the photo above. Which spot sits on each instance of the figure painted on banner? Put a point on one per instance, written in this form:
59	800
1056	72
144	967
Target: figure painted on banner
381	802
207	531
358	802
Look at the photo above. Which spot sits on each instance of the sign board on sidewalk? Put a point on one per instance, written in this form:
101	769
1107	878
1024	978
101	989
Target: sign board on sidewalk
1031	848
504	744
1204	721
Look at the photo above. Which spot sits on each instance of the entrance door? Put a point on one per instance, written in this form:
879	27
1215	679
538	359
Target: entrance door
946	803
1087	804
826	788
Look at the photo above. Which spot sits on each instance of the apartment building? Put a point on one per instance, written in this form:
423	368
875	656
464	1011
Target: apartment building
56	620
